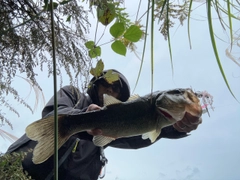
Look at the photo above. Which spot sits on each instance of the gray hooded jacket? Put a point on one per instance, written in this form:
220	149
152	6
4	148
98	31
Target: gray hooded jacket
85	163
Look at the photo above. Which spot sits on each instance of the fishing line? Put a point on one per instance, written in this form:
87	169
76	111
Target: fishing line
152	40
55	95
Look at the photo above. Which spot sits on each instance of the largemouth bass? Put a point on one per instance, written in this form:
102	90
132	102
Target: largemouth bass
144	116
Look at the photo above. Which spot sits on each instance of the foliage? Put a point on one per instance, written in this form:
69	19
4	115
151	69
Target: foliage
26	38
11	167
167	9
124	32
26	43
211	31
97	72
8	136
105	12
6	90
166	12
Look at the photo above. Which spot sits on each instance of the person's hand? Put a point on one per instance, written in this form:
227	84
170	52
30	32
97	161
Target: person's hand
93	107
94	132
188	123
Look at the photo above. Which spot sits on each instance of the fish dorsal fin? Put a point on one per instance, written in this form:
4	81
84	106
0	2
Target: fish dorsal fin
108	100
152	135
101	140
133	97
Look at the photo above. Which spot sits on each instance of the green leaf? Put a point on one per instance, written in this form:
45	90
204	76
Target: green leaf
64	2
106	13
97	71
90	44
69	18
98	50
117	29
111	76
95	52
119	48
45	4
133	33
210	25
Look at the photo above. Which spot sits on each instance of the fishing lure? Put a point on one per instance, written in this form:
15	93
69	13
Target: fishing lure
206	100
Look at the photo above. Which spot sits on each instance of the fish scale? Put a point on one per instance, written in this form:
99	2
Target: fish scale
114	120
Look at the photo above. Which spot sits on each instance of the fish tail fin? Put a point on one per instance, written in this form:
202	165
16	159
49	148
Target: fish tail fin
43	132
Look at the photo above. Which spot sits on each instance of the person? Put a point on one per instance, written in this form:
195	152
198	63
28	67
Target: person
86	160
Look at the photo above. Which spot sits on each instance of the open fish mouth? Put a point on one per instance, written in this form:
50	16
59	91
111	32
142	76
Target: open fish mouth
175	103
167	115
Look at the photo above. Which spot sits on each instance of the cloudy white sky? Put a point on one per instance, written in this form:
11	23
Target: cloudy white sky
210	152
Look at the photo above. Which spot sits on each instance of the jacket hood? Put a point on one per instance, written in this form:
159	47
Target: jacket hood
124	89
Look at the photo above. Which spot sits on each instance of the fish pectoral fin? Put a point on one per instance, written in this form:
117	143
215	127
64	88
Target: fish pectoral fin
101	140
152	135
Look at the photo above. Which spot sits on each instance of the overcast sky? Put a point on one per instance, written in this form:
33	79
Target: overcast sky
210	152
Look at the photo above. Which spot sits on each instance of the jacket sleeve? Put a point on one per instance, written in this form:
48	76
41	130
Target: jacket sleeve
137	142
70	101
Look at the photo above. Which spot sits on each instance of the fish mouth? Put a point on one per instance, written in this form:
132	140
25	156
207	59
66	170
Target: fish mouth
174	104
166	114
